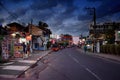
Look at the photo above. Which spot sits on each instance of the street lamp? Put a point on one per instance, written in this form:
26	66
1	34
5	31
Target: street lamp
13	35
12	43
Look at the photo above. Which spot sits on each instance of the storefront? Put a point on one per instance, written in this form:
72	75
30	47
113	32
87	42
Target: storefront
5	48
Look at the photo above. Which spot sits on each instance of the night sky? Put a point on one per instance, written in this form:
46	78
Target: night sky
62	16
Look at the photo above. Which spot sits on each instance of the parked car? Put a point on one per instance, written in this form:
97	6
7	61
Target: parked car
55	47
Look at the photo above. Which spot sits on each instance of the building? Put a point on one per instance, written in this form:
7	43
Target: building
102	33
40	37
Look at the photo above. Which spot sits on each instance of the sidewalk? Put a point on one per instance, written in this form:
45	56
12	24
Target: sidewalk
108	56
16	67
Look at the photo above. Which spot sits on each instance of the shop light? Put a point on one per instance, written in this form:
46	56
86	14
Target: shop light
13	35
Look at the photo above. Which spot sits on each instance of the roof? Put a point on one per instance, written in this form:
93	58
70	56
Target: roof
36	31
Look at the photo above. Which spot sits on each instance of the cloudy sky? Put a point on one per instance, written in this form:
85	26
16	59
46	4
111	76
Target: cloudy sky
62	16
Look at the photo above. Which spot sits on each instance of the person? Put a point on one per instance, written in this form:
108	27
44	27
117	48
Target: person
85	48
28	49
24	49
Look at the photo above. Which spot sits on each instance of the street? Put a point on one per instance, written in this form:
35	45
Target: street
72	64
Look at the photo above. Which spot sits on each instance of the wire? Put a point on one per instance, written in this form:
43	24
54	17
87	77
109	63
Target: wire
12	14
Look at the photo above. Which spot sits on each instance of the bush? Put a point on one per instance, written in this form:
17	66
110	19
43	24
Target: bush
108	48
102	49
112	49
117	49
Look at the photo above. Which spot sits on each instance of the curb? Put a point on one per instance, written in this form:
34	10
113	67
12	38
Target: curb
102	56
33	65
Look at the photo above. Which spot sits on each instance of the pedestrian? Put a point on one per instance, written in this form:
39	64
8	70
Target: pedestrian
28	49
85	48
24	49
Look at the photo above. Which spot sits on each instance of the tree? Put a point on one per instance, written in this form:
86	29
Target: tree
110	36
42	25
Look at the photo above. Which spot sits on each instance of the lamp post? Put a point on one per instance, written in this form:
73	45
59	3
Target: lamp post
12	44
94	26
30	31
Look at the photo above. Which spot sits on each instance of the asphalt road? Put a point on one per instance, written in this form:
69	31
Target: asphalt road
72	64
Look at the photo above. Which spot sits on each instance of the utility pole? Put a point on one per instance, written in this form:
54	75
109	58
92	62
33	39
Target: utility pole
93	9
93	13
30	31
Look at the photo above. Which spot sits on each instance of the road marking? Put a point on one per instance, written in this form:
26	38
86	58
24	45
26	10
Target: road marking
85	68
75	60
93	73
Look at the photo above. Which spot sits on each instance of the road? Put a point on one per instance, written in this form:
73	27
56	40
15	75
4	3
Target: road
72	64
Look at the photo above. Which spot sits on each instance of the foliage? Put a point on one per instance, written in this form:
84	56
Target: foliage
117	49
110	36
42	25
102	49
110	49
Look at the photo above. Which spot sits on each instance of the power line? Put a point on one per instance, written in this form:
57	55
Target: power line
12	14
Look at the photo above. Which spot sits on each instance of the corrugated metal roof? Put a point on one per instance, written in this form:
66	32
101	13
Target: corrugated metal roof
36	31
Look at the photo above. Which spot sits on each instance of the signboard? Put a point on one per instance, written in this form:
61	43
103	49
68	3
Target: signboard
28	37
117	35
5	53
18	48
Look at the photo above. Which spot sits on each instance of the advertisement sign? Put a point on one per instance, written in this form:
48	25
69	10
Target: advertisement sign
117	35
29	37
5	53
18	48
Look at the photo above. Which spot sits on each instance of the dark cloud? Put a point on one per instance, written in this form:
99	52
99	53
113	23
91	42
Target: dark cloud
62	16
96	0
13	1
21	11
43	4
2	20
107	7
70	10
42	15
85	17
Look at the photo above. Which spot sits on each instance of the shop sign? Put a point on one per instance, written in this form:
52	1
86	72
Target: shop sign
18	50
21	40
28	38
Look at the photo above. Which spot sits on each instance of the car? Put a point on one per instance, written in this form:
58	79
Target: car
55	47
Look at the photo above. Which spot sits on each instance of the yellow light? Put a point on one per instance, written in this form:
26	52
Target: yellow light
88	45
13	35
